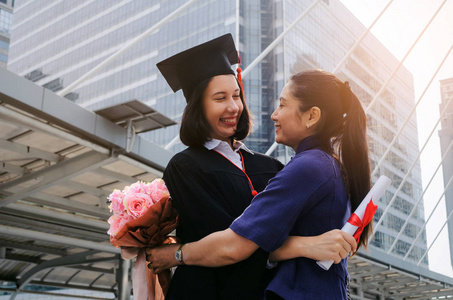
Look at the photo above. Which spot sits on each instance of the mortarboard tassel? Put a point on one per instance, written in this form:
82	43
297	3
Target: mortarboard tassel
239	70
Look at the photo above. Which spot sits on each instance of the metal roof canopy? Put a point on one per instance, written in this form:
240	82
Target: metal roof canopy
374	274
58	163
142	117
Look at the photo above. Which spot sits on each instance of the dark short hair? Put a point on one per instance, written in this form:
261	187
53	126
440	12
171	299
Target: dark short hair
195	129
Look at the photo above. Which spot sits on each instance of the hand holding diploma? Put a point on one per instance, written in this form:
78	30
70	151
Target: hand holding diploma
363	214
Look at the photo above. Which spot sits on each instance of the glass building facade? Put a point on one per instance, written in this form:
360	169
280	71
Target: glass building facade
446	141
6	15
321	40
55	44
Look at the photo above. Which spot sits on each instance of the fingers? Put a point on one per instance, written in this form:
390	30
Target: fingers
337	260
349	245
149	259
346	240
149	254
343	244
351	241
340	254
156	270
346	249
158	258
344	252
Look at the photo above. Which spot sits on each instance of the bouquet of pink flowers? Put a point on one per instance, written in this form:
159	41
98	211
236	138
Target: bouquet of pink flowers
143	216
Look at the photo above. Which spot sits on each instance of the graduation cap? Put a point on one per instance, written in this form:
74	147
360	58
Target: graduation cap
187	69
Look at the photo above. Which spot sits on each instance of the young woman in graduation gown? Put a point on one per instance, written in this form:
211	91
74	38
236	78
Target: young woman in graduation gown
324	122
214	180
207	188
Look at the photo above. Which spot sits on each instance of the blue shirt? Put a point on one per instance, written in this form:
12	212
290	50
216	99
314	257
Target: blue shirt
307	198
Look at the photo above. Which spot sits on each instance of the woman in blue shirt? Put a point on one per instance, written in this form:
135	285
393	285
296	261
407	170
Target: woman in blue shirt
324	122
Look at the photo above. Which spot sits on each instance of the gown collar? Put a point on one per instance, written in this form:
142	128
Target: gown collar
214	143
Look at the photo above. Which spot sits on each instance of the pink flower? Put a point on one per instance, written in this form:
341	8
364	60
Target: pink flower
136	187
116	201
132	202
117	221
157	190
137	204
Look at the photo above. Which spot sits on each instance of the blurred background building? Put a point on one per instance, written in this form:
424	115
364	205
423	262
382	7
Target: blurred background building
446	141
55	44
6	13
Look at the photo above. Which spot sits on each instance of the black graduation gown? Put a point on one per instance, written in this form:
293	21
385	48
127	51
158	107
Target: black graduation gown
209	193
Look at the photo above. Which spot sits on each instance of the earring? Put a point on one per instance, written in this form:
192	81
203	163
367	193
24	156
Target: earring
308	125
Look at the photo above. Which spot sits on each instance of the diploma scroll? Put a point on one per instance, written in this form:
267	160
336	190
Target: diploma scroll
366	209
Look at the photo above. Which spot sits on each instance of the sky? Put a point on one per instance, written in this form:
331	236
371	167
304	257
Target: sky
398	29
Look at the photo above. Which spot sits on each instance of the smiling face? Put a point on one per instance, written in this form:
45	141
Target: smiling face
222	106
290	121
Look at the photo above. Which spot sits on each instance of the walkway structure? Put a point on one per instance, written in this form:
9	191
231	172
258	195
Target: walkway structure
59	162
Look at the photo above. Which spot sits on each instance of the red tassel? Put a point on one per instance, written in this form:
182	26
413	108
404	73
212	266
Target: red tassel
239	70
254	193
240	80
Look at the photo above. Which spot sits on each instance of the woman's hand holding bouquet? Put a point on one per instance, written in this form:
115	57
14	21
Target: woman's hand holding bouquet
143	216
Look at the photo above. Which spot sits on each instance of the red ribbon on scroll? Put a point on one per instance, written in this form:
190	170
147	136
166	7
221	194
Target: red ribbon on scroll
370	210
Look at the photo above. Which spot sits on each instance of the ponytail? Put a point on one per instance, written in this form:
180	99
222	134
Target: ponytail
353	153
341	130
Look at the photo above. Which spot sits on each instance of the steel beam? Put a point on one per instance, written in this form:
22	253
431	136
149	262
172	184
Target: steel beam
5	167
56	174
123	279
85	188
69	205
57	239
22	120
57	227
28	151
68	219
115	175
30	247
76	259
